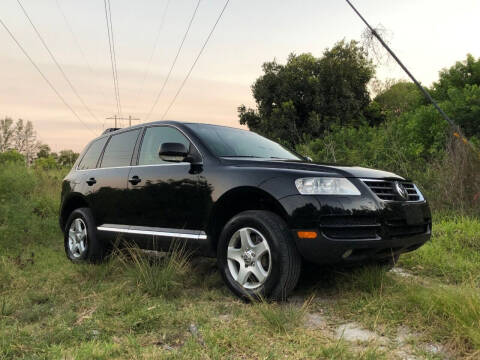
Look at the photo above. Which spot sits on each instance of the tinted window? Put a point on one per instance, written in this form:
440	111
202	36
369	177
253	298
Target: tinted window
229	142
89	160
119	149
154	138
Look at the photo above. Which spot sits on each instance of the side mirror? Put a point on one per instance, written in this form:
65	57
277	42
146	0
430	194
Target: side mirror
173	152
309	159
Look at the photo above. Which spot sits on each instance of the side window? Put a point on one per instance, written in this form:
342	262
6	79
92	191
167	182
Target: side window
119	149
154	138
89	160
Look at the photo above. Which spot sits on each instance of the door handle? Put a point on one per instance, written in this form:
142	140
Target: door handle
91	181
134	180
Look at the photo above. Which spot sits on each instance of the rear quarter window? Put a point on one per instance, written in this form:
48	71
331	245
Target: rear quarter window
90	159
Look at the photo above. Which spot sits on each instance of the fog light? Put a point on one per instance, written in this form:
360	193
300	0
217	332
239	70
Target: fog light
347	253
307	234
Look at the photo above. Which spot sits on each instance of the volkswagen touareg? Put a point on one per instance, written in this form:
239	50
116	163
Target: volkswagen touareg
256	206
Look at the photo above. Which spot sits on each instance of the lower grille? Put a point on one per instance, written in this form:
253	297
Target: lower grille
387	190
368	228
399	228
350	227
351	233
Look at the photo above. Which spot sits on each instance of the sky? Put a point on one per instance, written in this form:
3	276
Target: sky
427	35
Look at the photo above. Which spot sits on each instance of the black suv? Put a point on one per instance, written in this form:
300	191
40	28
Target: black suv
235	195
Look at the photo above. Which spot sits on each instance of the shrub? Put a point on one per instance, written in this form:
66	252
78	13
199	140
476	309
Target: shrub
46	163
11	156
157	275
16	181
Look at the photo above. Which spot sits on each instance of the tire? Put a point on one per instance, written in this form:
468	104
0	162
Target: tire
80	238
279	265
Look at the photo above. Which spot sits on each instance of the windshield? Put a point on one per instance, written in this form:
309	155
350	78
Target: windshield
229	142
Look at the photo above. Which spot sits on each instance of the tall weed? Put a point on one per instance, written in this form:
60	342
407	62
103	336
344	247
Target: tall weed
157	274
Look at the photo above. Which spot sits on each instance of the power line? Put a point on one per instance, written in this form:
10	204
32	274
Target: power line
174	61
76	41
114	54
146	72
196	60
43	75
59	67
113	59
420	87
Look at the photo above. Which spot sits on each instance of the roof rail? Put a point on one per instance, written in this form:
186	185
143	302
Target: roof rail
109	130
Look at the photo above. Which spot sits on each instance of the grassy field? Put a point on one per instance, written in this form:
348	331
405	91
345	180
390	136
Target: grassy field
148	306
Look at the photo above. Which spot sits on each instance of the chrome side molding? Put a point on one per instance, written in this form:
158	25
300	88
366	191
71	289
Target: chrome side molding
154	231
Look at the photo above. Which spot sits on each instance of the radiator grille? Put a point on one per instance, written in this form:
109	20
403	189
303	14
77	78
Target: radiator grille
387	190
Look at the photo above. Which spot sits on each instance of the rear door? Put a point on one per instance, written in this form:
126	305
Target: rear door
163	194
108	182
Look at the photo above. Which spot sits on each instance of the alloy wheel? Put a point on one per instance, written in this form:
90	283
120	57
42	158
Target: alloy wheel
249	258
77	238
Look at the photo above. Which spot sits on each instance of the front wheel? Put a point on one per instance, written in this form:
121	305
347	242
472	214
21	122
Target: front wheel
257	256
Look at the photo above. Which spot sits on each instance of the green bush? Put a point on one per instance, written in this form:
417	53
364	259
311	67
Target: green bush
16	181
29	202
46	163
11	156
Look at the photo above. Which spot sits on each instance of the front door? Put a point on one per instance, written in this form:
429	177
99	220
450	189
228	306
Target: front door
163	194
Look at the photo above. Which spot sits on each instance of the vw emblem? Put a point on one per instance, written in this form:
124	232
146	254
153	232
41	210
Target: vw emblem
401	191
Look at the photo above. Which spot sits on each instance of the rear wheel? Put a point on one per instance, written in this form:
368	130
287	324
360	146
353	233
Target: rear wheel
80	238
257	256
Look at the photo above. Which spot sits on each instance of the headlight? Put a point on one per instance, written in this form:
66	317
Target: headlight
326	186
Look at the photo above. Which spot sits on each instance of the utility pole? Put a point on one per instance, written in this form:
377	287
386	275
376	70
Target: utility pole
130	120
116	118
455	127
113	117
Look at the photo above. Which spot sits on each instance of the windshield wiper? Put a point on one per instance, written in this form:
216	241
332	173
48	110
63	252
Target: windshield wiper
243	156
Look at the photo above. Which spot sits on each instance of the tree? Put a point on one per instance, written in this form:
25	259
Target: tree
19	136
463	106
458	90
67	158
26	140
7	132
400	97
46	163
43	151
307	95
458	76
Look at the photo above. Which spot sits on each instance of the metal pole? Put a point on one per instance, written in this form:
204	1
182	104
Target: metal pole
422	89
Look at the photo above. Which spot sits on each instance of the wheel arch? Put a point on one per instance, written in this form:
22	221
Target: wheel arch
72	202
236	201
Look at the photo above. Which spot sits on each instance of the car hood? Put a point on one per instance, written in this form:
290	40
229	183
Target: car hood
345	171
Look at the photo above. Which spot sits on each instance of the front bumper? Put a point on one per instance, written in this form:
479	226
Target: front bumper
357	229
